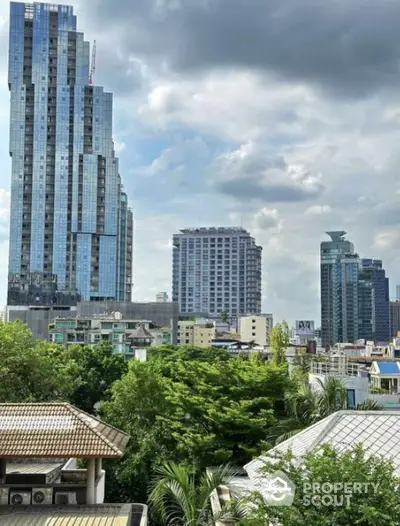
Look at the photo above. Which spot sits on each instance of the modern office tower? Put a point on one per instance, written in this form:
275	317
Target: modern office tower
372	270
397	292
217	270
339	290
366	308
394	318
71	227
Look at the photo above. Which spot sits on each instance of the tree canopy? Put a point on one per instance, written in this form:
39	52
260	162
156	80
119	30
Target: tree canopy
369	499
195	412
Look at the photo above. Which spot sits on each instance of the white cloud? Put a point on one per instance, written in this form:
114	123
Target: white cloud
317	210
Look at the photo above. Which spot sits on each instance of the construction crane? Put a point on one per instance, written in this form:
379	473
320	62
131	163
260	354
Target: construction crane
93	65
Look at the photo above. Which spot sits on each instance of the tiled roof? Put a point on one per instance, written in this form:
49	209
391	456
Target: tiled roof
388	367
99	515
379	432
56	431
141	333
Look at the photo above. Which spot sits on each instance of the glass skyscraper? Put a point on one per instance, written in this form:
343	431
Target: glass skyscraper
354	294
71	227
339	290
216	270
372	270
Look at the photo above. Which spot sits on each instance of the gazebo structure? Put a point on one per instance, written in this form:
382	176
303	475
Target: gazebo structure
40	445
140	338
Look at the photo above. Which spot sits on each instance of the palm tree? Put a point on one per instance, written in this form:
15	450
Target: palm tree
181	500
305	406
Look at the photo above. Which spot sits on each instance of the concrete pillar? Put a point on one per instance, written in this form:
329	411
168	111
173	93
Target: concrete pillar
98	468
90	490
3	468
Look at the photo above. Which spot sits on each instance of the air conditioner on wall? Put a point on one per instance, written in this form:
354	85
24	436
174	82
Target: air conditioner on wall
20	498
65	497
42	496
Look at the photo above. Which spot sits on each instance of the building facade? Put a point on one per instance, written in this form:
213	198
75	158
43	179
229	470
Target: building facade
372	270
256	328
119	332
161	297
339	290
394	318
71	227
197	333
216	270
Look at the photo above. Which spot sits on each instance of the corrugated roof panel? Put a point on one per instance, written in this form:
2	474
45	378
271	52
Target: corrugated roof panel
388	367
112	515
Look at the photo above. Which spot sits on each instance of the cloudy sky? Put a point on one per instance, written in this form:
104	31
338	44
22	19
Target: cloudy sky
280	116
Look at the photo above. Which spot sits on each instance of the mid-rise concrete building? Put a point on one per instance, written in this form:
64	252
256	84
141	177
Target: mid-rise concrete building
71	229
257	329
216	271
161	297
197	333
126	336
38	318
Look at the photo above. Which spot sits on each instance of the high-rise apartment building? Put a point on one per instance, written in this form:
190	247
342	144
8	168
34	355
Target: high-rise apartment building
372	270
339	290
217	270
71	227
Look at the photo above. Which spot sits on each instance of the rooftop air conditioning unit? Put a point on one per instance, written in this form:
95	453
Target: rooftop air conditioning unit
42	496
20	498
4	496
65	497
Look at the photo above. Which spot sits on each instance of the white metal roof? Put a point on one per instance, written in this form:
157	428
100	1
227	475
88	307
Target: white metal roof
378	431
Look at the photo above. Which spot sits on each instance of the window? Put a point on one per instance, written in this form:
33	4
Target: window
351	397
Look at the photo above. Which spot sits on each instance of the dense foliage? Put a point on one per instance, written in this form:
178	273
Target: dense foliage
193	406
374	502
39	371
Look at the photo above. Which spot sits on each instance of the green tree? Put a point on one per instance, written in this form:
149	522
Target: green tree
224	317
194	412
93	371
377	505
178	498
279	339
30	371
305	406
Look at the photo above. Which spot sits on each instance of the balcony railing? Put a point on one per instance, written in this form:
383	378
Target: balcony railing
337	369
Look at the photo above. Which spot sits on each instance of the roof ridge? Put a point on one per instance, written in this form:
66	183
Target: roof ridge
333	419
78	413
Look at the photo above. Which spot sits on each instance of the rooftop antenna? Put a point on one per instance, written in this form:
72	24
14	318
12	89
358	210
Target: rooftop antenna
93	65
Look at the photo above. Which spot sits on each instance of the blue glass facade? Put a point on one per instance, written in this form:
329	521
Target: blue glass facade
71	227
373	271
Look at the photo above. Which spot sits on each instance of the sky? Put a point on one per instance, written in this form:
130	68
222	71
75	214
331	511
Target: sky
282	117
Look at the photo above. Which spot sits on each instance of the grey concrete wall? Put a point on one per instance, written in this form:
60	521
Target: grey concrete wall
163	314
38	319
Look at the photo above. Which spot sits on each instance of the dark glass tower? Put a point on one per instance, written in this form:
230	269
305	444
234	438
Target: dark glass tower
373	270
71	228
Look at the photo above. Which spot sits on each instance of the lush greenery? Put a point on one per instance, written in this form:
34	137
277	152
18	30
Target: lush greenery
39	371
177	497
305	405
375	503
193	406
185	409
